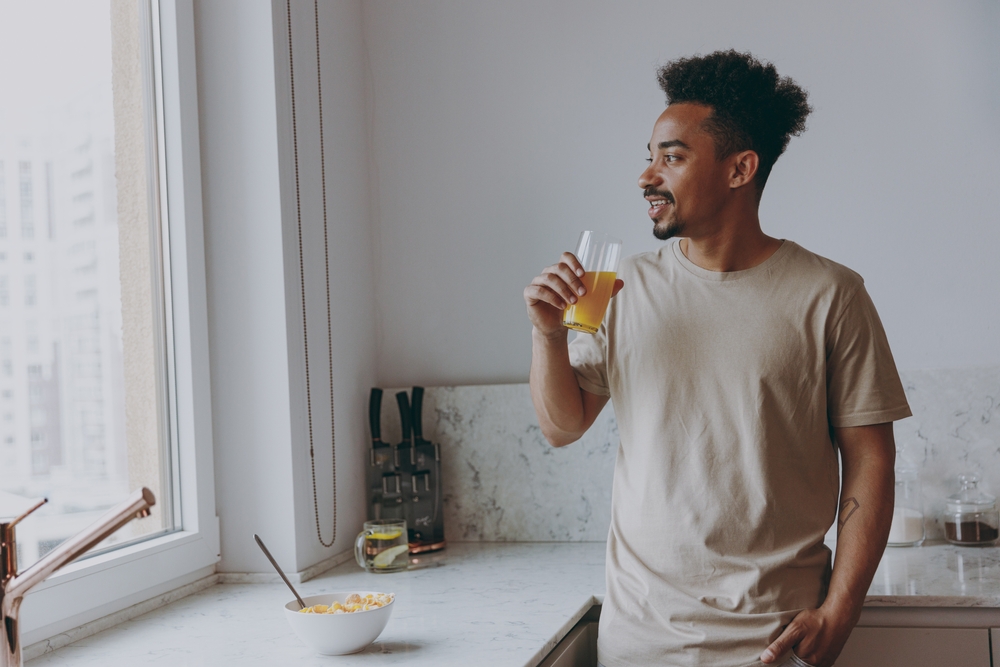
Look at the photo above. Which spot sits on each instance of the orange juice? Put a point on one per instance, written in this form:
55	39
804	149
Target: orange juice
588	311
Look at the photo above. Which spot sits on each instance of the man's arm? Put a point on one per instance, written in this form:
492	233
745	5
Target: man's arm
866	499
565	411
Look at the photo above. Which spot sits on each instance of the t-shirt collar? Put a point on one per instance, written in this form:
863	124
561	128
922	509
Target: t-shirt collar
720	276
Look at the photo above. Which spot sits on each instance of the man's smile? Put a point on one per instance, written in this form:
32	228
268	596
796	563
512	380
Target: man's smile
658	203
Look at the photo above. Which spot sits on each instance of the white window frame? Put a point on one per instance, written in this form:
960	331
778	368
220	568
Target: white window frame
95	587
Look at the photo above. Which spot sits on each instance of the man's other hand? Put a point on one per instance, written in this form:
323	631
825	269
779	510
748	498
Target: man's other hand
817	636
553	290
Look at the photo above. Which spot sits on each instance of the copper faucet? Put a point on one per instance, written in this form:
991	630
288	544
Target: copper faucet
14	586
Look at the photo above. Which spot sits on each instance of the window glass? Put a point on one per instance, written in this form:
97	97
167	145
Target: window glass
82	361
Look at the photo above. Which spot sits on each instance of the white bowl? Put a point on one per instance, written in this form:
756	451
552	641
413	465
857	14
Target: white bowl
337	634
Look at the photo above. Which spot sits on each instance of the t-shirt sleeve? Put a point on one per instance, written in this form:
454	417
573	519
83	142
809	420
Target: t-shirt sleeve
588	354
863	386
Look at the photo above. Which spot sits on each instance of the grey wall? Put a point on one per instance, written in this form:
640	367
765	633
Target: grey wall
468	143
501	129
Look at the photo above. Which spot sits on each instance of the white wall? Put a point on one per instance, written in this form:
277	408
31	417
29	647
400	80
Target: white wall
263	476
244	274
501	129
351	275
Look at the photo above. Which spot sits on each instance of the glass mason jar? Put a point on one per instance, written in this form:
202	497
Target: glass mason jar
971	516
908	510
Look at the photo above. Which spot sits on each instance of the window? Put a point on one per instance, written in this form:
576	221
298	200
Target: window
3	201
84	220
6	362
31	337
27	202
82	150
83	172
77	394
30	290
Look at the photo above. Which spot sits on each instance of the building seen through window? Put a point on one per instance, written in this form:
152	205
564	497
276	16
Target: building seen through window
63	367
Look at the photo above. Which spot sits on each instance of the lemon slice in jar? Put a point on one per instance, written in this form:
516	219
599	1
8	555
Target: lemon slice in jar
385	536
385	558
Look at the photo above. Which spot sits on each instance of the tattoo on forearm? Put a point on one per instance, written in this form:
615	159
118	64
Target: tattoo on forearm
847	510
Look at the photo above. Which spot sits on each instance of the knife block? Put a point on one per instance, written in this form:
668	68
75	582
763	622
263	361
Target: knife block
404	480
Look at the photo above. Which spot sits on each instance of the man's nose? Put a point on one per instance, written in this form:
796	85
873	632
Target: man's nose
649	177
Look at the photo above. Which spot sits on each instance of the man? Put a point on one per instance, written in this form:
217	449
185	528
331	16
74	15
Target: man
738	365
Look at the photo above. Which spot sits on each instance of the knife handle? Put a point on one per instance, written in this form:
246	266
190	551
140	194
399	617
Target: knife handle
404	415
375	414
416	409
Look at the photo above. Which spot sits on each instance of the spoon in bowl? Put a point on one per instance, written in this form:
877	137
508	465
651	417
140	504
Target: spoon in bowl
274	563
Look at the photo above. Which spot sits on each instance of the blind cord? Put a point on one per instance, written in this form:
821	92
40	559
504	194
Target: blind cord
302	275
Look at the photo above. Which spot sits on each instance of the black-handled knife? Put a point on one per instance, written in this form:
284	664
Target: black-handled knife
406	441
375	415
380	451
404	417
417	406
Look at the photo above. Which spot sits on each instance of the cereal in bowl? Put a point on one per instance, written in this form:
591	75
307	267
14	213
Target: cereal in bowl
354	602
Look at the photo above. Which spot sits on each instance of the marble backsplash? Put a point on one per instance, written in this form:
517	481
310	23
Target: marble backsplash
503	482
955	429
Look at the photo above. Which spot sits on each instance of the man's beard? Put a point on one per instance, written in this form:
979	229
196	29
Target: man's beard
668	230
665	230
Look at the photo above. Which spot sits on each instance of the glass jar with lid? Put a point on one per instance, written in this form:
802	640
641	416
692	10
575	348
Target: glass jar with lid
907	527
971	516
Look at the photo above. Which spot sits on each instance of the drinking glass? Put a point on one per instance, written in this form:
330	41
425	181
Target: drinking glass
382	546
907	527
599	255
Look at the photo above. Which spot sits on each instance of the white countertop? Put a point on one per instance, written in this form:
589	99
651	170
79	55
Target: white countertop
496	603
937	575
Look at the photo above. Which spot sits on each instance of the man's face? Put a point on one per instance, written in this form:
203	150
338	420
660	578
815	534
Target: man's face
684	183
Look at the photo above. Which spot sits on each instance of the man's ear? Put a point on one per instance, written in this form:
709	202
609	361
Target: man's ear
744	168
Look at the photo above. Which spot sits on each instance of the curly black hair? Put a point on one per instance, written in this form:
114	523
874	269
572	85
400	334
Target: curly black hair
753	108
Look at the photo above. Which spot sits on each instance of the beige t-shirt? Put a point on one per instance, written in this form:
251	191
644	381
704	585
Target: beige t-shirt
725	387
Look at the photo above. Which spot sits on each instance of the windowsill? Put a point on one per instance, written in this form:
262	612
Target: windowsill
189	585
89	566
93	588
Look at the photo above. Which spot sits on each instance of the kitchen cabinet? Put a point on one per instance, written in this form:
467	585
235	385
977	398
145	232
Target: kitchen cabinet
906	647
577	649
867	647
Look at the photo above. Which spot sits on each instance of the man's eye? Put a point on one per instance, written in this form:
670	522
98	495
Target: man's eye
671	158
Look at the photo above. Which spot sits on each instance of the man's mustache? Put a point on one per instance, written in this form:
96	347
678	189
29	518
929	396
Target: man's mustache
664	194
